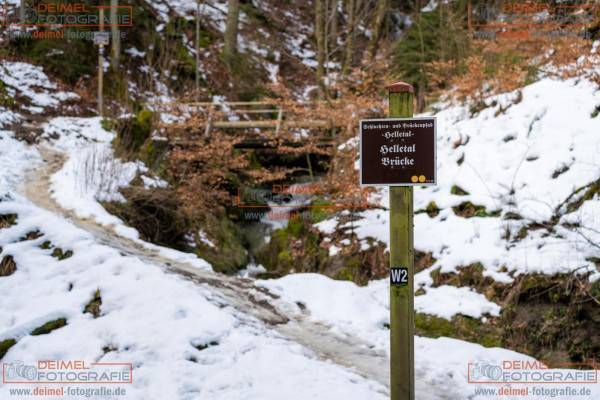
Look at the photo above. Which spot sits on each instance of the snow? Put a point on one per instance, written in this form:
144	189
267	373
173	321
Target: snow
15	157
447	301
509	163
155	319
153	182
214	11
150	318
204	238
361	311
31	82
134	52
92	174
441	365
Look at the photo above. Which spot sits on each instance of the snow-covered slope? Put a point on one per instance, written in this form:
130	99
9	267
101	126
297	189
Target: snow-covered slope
441	365
183	340
519	162
29	85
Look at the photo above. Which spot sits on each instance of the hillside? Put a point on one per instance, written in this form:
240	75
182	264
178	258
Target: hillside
124	235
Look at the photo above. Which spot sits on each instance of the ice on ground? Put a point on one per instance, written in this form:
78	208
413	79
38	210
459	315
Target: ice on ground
441	365
364	311
184	341
159	322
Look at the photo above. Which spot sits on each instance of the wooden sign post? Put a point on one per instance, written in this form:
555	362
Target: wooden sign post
101	40
399	152
402	316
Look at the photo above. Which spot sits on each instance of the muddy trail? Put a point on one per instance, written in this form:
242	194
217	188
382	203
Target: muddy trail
240	293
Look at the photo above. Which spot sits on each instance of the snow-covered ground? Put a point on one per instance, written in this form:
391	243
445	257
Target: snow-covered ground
33	86
185	342
92	174
151	319
524	162
364	312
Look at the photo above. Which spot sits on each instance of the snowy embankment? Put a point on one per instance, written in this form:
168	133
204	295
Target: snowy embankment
92	174
505	175
31	86
364	312
183	341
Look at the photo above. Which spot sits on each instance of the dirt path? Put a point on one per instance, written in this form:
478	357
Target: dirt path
240	293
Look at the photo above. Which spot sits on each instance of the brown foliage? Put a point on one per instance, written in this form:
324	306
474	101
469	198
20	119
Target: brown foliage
505	65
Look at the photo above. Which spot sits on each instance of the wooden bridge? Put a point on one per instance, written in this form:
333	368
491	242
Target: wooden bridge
205	116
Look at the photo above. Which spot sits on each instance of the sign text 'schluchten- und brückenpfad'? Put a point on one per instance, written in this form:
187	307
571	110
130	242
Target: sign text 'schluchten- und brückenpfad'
398	151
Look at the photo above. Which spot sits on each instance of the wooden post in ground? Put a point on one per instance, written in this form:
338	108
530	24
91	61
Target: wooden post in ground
101	67
197	87
402	359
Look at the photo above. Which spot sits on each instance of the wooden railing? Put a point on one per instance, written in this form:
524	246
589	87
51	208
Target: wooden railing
217	115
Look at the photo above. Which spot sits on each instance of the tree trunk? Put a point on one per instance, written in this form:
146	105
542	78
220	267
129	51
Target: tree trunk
197	77
377	28
350	29
333	28
22	15
231	32
115	34
320	38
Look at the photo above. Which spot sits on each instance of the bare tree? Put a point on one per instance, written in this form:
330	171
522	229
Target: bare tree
22	15
377	27
333	27
231	32
351	7
116	34
320	37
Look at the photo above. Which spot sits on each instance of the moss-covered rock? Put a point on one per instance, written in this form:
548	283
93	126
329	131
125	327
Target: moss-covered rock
7	220
458	191
229	253
295	248
432	210
49	327
5	345
153	154
466	209
204	346
32	235
8	266
95	304
460	327
60	254
5	99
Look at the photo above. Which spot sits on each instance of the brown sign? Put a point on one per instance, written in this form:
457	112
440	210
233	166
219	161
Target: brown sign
398	151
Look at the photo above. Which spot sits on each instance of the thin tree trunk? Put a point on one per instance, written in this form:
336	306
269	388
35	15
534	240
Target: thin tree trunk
333	29
320	37
197	85
231	32
350	29
22	15
377	28
116	35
